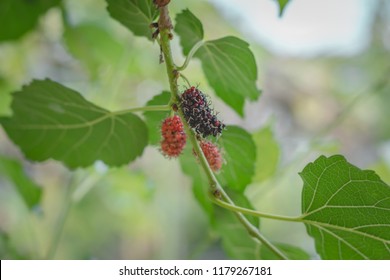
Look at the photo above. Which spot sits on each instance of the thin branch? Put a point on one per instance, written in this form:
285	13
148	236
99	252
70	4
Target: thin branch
86	185
253	212
165	27
252	230
73	194
62	217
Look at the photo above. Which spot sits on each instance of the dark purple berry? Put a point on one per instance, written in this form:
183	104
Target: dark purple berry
198	114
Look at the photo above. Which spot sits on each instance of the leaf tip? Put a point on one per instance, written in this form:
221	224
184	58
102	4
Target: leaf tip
282	6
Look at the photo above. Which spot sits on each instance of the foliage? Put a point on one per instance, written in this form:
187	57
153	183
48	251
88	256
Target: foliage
136	15
29	11
190	30
346	210
82	41
52	121
154	119
29	191
268	153
240	156
228	63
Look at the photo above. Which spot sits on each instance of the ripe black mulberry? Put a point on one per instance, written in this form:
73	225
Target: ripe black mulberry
198	114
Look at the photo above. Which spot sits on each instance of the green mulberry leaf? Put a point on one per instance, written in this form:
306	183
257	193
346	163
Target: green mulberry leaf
93	46
346	210
52	121
230	68
200	186
154	119
228	63
136	15
239	152
29	191
267	154
20	16
190	29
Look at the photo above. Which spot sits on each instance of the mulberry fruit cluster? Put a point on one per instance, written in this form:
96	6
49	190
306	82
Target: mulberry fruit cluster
212	154
198	113
174	138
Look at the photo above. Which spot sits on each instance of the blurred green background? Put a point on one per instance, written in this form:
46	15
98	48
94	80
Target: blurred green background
330	96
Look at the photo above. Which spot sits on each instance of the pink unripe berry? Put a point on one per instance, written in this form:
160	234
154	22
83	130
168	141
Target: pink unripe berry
174	138
212	154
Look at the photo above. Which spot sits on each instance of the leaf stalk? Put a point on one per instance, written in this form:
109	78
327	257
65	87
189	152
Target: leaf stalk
190	55
144	109
253	212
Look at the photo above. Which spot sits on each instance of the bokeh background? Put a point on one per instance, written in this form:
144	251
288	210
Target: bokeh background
324	71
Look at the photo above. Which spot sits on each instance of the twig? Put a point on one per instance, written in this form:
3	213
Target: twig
165	27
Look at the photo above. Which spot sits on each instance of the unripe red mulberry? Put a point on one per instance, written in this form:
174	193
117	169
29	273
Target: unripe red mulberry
212	154
174	138
198	113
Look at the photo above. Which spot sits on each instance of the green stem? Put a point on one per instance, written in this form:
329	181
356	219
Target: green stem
74	193
194	49
252	230
86	185
60	223
144	109
185	79
253	212
165	27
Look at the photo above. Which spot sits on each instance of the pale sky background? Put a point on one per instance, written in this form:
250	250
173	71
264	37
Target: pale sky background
307	27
